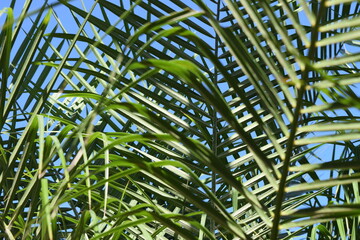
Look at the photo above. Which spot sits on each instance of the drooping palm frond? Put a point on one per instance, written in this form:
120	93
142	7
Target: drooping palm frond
150	120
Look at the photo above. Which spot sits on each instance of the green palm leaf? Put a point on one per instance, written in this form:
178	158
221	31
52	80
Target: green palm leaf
179	120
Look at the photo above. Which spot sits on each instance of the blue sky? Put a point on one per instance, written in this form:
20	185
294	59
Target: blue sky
71	26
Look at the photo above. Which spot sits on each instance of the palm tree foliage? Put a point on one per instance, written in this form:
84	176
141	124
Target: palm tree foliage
202	119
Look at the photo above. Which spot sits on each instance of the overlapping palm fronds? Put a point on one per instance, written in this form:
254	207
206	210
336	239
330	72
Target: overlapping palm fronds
180	120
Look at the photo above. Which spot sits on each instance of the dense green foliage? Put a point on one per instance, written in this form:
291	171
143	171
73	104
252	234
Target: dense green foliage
199	119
